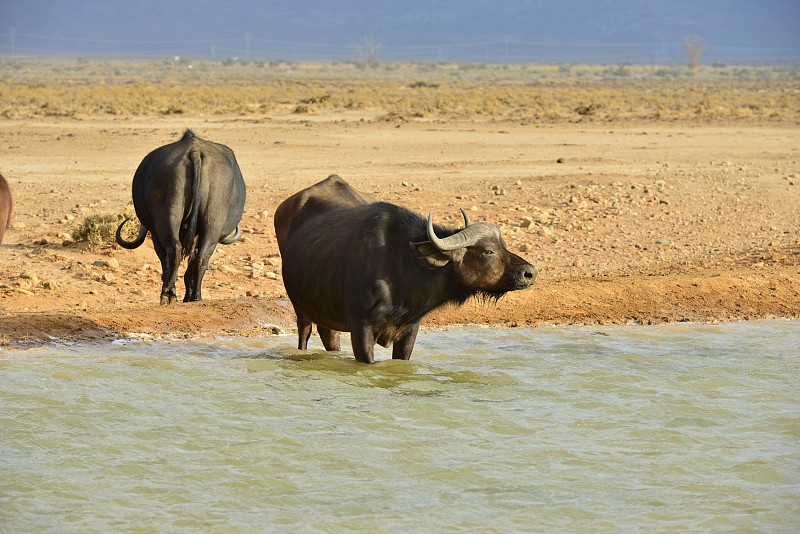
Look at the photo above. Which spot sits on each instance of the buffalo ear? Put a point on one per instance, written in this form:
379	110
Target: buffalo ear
435	257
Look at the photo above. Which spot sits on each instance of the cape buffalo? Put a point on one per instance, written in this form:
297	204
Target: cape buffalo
5	206
376	269
190	196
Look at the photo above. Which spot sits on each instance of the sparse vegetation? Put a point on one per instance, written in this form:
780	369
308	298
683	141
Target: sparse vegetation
529	92
98	231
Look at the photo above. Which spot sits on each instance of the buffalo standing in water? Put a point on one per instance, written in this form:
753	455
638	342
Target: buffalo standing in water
5	206
376	269
190	196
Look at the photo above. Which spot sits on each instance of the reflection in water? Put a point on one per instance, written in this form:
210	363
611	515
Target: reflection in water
680	427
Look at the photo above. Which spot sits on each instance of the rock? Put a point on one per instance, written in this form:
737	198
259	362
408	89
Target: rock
30	276
271	275
52	285
526	247
255	274
275	330
108	277
43	241
526	222
24	292
578	263
18	225
112	263
67	242
560	160
253	293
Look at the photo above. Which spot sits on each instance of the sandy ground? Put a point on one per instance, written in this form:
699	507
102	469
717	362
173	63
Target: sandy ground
643	223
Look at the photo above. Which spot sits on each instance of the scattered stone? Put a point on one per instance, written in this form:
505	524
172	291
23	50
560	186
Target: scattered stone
41	242
578	263
526	222
560	160
30	276
94	292
272	275
18	225
108	277
24	292
67	242
140	293
255	274
52	285
272	329
112	263
253	293
526	247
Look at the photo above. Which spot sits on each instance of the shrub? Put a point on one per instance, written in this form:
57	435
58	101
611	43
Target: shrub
99	231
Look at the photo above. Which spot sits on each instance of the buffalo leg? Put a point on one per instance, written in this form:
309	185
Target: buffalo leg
330	338
303	329
170	259
363	341
198	264
404	344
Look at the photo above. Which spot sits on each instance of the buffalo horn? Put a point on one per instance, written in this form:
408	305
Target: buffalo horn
467	222
231	238
465	238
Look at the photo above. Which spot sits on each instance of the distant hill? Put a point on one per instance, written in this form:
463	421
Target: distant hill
474	30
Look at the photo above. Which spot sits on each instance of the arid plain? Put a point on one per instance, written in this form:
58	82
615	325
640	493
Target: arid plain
639	201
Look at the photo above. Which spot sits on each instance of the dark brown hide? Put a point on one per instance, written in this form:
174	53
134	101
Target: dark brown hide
5	206
376	269
190	196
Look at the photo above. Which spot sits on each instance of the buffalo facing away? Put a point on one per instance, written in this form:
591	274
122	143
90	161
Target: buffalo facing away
5	206
375	269
190	196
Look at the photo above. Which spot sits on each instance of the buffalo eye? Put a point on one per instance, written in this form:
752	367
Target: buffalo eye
488	252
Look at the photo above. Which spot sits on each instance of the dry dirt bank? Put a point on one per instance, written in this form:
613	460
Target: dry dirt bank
649	222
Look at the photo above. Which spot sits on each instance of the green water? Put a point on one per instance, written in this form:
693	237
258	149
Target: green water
656	429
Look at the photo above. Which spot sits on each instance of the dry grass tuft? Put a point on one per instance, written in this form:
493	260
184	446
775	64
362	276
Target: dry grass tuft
99	231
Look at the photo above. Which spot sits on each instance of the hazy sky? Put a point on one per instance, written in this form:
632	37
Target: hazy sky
477	30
